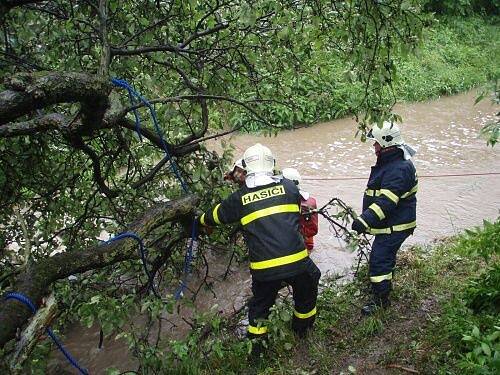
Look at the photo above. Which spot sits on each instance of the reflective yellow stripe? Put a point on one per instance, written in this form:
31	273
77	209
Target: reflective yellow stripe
394	228
389	194
376	208
363	221
306	315
380	231
287	259
378	279
202	219
257	330
412	191
215	214
401	227
372	193
269	211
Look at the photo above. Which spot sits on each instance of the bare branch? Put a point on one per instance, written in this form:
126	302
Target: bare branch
175	99
143	50
155	139
103	31
201	34
77	142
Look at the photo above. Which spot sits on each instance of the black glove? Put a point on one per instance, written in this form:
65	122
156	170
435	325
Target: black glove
358	226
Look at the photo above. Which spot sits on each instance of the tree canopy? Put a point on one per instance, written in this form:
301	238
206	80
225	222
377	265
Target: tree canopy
71	164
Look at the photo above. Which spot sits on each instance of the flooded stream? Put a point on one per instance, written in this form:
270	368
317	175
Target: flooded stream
457	190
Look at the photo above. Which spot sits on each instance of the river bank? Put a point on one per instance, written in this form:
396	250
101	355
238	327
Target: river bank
443	320
455	54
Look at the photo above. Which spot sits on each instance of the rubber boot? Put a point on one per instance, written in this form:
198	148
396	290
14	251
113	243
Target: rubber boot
378	301
301	327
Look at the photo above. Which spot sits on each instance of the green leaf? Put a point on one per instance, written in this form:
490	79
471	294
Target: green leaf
486	349
475	332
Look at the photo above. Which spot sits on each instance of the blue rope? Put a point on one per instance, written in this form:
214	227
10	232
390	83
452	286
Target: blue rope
142	250
24	299
194	236
187	261
132	93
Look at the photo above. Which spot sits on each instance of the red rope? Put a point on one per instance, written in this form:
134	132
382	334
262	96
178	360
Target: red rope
419	176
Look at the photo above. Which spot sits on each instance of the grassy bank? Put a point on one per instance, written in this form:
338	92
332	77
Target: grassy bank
444	320
456	54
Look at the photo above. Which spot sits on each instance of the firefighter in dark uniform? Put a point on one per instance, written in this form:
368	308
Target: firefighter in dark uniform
268	209
389	208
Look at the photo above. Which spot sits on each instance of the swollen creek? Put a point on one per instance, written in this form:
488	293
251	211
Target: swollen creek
459	186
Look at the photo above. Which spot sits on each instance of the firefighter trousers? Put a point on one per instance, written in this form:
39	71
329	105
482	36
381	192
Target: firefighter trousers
383	261
305	292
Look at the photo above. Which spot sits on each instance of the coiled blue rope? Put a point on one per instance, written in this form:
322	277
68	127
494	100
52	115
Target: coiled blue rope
24	299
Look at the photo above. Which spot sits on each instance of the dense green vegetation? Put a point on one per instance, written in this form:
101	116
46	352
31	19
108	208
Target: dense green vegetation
73	170
454	55
444	320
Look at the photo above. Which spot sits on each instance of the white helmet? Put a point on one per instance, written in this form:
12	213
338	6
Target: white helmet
388	135
238	163
258	158
292	174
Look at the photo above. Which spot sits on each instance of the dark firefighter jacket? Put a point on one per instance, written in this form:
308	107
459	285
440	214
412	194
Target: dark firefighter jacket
270	217
390	203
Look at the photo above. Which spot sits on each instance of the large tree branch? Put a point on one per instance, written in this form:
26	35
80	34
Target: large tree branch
27	92
36	125
35	281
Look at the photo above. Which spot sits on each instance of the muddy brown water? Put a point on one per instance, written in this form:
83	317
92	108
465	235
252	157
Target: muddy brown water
455	192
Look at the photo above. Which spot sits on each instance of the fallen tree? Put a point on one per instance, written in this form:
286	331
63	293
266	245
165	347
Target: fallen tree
36	279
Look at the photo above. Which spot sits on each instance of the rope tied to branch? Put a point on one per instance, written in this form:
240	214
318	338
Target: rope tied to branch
29	303
133	94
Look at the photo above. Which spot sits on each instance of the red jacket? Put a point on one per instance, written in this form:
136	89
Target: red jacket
308	222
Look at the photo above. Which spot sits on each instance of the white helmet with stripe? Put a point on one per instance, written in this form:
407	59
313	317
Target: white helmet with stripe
258	158
388	135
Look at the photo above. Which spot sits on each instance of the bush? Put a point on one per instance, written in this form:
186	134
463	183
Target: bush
483	294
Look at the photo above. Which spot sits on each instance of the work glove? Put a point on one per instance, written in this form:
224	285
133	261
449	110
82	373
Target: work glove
202	229
358	226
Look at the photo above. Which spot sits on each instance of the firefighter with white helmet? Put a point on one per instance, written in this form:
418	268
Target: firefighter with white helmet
308	205
268	209
237	174
389	208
